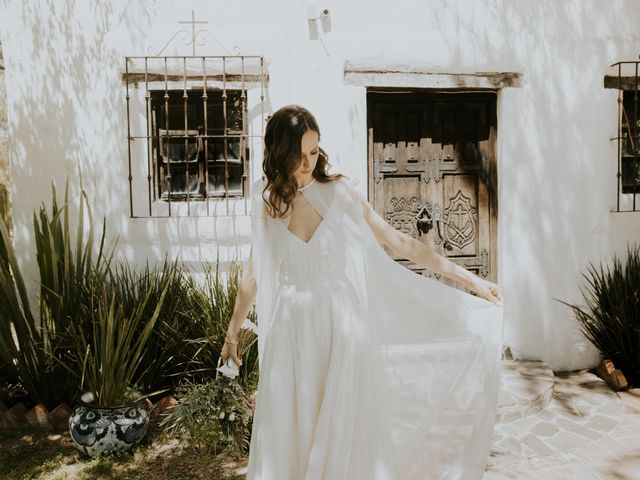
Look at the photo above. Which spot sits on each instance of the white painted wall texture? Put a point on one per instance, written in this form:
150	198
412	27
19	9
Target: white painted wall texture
556	163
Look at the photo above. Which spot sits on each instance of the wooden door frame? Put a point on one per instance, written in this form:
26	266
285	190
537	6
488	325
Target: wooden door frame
492	183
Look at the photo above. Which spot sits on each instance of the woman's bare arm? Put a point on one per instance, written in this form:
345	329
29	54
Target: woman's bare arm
407	247
246	295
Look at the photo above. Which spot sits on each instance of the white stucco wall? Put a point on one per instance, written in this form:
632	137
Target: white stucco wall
556	164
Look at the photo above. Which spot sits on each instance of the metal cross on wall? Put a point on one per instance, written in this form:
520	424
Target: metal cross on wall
193	23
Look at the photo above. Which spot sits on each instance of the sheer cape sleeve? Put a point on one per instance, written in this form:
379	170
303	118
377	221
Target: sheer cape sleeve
440	352
437	349
264	267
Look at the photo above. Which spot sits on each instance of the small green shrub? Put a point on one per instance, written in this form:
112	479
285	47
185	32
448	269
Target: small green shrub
611	320
214	415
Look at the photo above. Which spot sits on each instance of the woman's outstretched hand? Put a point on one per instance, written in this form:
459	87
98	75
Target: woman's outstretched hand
486	290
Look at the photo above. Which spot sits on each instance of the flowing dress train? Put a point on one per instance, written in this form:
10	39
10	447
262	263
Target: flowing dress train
349	389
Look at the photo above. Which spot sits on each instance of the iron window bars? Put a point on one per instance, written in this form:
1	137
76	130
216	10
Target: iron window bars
194	113
628	175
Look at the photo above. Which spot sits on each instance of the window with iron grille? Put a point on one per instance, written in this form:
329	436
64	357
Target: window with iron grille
627	81
194	160
630	150
190	134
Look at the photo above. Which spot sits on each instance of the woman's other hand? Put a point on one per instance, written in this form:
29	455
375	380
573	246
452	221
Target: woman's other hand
486	290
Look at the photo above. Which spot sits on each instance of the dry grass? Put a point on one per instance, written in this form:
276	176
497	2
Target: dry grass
37	455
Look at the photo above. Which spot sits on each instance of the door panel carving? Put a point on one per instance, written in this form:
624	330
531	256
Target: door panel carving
402	196
432	173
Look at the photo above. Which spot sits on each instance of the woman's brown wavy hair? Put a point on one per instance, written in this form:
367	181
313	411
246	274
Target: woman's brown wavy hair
282	156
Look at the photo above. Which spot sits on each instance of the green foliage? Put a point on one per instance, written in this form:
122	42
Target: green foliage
113	328
611	320
213	305
67	267
65	273
29	346
111	350
23	343
214	415
160	361
191	325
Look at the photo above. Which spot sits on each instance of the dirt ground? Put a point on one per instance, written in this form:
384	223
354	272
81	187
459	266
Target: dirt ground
38	455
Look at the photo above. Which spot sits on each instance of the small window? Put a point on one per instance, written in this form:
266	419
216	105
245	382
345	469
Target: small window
630	134
194	156
625	78
193	125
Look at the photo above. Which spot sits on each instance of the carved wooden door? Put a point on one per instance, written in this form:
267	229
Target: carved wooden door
432	173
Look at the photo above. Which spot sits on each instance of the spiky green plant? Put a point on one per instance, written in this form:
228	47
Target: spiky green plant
184	342
611	319
216	301
168	350
190	331
111	351
66	266
30	344
21	339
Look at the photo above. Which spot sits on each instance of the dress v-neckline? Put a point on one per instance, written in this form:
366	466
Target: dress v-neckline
317	230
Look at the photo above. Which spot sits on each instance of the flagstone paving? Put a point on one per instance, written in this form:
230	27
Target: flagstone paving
577	429
562	426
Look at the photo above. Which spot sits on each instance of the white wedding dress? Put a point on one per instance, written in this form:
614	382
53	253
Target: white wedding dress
365	373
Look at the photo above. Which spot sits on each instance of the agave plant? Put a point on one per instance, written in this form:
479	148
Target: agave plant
30	344
611	320
85	300
21	339
111	351
168	350
190	331
216	302
67	266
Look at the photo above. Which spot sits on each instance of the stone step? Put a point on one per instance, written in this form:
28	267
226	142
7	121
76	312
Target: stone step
526	388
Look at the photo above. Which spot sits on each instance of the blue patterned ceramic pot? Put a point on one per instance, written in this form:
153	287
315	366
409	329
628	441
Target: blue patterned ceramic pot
108	429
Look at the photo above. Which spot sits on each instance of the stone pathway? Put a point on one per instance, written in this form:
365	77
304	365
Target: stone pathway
557	427
563	427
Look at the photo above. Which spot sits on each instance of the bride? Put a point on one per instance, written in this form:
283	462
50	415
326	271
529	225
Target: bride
368	371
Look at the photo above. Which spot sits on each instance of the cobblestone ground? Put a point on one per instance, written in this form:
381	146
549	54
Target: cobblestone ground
556	427
563	427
